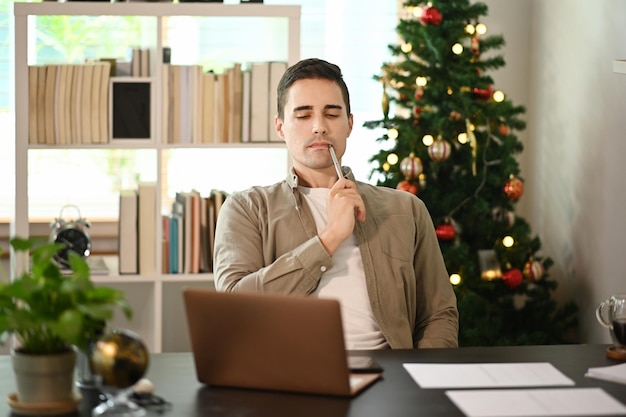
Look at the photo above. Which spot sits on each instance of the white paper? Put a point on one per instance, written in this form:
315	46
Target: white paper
536	402
486	375
614	373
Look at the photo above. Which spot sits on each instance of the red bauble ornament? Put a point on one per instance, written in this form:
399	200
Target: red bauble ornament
514	188
533	270
504	130
411	166
445	231
483	93
431	16
439	150
419	92
408	186
475	46
417	110
513	278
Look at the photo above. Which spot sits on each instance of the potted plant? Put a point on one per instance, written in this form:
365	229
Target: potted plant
52	313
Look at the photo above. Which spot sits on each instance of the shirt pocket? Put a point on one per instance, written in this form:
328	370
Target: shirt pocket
397	234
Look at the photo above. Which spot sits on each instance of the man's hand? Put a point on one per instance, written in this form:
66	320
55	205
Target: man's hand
343	208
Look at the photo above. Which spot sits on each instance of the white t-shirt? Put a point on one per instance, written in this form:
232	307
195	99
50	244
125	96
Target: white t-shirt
345	281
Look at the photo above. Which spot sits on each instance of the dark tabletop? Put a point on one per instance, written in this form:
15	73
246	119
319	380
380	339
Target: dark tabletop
396	395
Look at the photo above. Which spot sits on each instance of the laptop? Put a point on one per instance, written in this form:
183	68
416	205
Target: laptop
271	342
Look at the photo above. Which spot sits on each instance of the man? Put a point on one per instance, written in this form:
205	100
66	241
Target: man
373	248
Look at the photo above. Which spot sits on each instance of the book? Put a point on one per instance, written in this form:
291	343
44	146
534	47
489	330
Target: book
245	106
208	106
76	103
165	102
85	103
173	246
135	61
185	207
146	228
144	62
220	126
197	102
196	232
66	108
103	105
32	103
235	91
175	104
277	69
96	77
128	231
165	244
50	104
259	102
41	103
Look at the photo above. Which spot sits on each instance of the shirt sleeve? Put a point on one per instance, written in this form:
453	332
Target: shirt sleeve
437	317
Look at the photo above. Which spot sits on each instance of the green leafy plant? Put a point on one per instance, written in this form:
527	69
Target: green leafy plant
50	310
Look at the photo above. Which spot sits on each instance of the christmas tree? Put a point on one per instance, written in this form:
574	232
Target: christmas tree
450	138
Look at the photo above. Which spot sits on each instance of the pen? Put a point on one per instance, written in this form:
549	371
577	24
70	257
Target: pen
335	161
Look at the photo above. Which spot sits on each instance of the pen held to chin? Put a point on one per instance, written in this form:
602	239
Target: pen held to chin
333	156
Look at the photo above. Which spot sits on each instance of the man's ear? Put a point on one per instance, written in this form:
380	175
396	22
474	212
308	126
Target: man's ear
278	125
350	124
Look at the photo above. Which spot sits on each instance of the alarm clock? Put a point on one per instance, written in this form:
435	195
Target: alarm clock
72	234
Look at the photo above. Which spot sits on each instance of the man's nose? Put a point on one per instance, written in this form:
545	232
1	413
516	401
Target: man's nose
319	127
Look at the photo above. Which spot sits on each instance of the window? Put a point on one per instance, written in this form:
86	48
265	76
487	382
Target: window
331	29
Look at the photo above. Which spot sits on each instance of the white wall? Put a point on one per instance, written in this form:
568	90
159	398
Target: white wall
577	129
559	57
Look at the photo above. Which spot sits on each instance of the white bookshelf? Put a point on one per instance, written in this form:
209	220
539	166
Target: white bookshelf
619	66
156	299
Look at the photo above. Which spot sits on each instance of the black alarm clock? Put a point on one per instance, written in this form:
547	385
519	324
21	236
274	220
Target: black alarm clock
72	234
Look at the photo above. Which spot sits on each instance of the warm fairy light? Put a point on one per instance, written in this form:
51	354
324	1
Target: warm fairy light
472	126
386	167
455	279
508	241
470	29
498	96
392	159
428	140
393	133
457	48
421	81
417	11
406	47
481	28
450	91
462	138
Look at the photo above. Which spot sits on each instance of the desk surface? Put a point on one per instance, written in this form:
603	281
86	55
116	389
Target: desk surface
395	395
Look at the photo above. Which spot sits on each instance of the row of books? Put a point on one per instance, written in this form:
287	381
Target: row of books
188	232
235	106
68	103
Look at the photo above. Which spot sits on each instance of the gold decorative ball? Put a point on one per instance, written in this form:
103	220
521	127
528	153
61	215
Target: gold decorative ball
120	358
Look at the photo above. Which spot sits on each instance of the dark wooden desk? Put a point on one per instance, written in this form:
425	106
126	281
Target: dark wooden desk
396	395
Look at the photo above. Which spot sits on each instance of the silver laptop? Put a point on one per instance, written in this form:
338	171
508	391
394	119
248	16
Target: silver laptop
271	342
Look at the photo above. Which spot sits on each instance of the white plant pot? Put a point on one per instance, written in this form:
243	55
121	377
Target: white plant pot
44	378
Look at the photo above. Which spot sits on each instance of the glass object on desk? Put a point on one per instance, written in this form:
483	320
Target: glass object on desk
119	359
611	313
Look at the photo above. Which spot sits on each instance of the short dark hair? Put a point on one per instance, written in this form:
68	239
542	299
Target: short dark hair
311	68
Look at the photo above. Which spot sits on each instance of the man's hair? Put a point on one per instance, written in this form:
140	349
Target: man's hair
312	68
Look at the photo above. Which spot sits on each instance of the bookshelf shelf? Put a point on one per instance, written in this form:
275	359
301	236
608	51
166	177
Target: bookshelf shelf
619	66
156	298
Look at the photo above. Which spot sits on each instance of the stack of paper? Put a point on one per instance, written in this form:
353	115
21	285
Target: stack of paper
614	373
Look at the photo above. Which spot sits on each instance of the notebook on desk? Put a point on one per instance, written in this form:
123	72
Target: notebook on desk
270	342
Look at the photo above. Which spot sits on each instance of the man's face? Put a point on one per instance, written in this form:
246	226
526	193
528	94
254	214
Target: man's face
314	117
